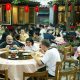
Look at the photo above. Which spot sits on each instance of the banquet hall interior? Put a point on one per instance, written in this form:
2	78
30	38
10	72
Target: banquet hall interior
39	39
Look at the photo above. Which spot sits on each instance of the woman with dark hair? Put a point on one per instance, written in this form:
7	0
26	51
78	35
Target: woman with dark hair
36	36
30	45
23	35
30	40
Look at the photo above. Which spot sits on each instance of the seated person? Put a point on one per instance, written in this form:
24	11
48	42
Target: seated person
77	53
70	36
36	37
30	45
49	36
9	43
23	35
59	40
51	56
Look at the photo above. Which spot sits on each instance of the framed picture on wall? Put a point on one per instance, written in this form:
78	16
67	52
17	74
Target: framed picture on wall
6	16
0	14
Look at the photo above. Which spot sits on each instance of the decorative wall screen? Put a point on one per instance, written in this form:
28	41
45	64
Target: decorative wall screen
0	14
15	15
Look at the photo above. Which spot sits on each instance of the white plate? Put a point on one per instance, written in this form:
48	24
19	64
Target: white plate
25	54
20	50
11	57
27	51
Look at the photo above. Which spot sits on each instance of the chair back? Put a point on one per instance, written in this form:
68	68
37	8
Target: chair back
4	73
68	51
58	69
38	75
65	74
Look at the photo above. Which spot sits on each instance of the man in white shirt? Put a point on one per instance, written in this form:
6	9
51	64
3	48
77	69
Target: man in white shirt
51	56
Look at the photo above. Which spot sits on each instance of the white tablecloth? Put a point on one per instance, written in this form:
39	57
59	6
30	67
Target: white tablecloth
17	67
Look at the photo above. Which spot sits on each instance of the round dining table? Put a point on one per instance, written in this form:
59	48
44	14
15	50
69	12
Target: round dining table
16	67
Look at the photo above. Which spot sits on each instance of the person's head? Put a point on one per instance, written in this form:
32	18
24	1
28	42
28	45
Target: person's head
29	42
45	44
22	31
9	39
78	50
36	34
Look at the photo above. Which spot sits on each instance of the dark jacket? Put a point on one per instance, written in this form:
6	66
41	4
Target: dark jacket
4	44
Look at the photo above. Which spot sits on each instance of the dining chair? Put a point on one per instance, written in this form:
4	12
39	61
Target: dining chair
68	52
58	68
78	73
78	70
3	75
38	75
65	74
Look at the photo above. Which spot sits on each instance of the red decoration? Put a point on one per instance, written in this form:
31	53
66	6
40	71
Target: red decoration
70	8
26	8
9	27
8	6
72	27
36	9
55	8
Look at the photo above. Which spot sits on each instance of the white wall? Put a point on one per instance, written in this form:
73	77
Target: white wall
43	2
51	15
